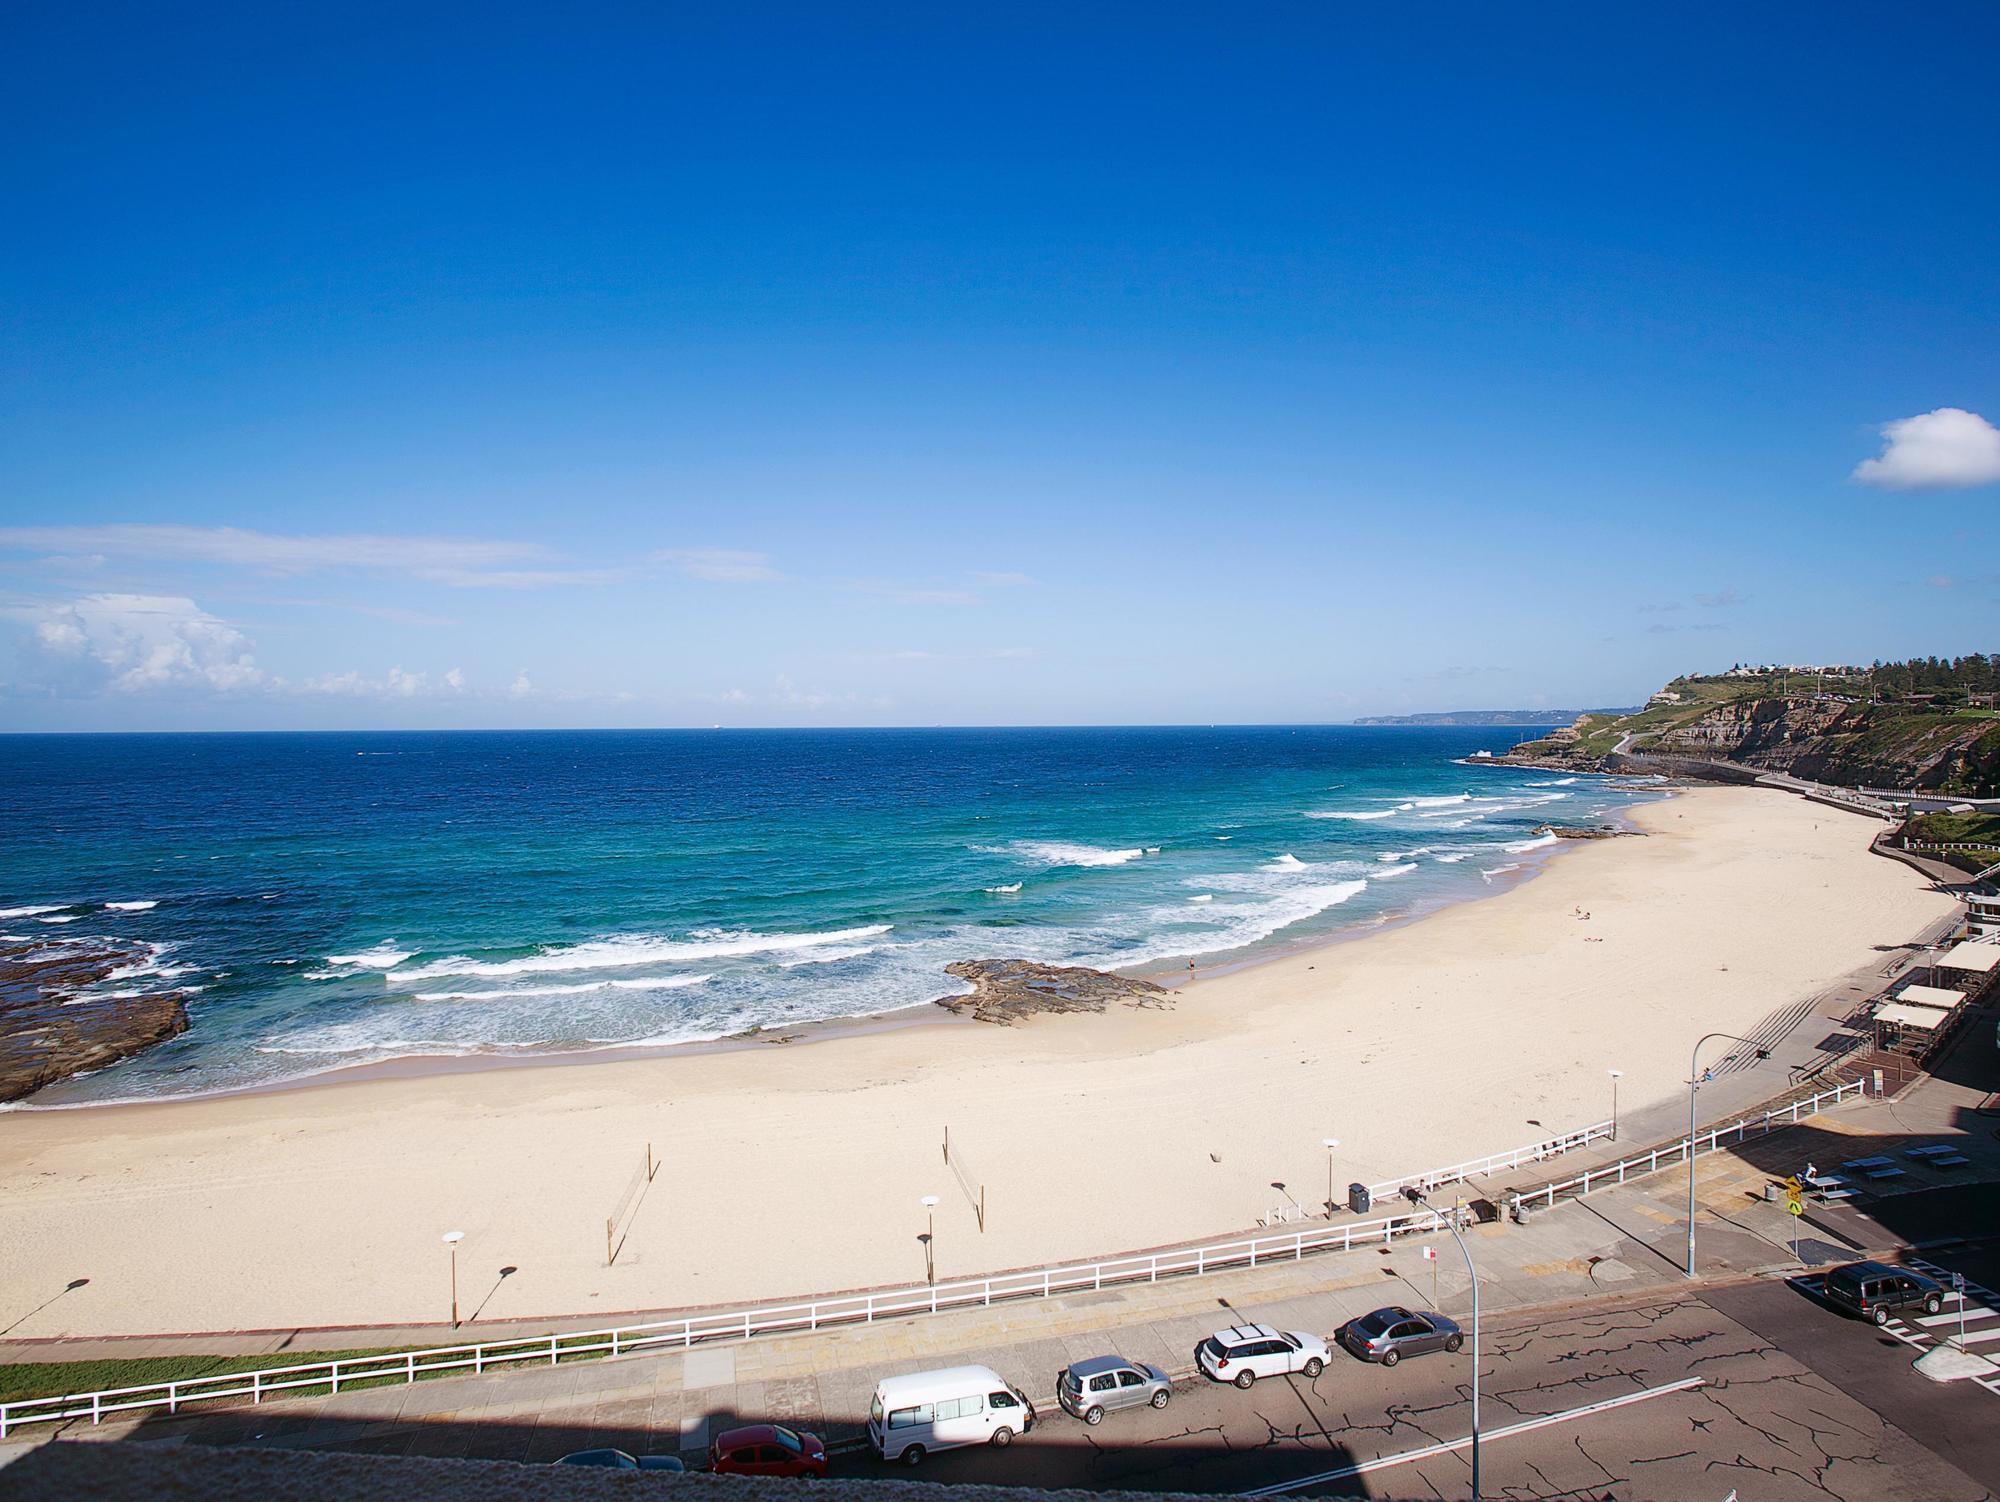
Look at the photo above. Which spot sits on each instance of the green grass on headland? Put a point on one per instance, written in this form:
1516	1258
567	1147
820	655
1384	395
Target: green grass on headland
1955	829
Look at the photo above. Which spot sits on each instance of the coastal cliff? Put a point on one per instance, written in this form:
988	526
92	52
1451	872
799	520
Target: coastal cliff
1876	727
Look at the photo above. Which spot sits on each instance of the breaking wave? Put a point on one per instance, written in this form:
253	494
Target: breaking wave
1063	853
640	949
651	983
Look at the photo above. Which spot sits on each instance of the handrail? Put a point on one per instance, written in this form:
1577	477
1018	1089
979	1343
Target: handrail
1707	1141
808	1316
1476	1168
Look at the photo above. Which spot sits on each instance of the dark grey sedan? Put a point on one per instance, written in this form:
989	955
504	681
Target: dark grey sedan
1090	1389
1388	1335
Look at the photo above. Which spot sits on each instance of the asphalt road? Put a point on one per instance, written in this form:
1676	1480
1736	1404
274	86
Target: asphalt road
1769	1421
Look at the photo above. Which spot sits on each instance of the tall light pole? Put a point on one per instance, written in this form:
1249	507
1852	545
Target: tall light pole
452	1239
1450	1223
1694	1080
930	1203
1329	1143
1616	1076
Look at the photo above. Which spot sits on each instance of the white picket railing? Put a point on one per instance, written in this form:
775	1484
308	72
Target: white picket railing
1479	1168
1705	1141
858	1308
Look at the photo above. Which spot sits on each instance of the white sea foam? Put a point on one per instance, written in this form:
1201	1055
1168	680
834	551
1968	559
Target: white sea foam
1439	802
150	966
384	956
1487	876
31	912
1280	904
1225	837
508	993
827	956
1402	870
396	1046
61	918
1203	897
1357	814
1064	853
1453	859
1560	782
1011	886
1524	846
633	950
1288	862
327	974
132	907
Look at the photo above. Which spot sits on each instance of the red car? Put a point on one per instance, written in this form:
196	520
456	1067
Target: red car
767	1450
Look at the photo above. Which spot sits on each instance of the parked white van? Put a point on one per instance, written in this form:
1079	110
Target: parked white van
958	1405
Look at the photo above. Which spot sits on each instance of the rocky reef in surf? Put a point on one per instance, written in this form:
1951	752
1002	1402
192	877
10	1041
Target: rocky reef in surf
54	1025
1011	991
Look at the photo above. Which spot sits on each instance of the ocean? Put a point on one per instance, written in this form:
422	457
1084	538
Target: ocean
331	899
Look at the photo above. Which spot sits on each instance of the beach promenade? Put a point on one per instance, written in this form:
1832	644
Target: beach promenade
799	1169
1584	1304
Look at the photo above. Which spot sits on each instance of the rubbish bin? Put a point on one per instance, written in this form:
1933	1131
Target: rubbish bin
1359	1200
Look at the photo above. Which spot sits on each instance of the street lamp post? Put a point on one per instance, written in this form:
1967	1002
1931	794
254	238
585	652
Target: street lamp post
1616	1076
452	1239
1694	1081
1450	1223
1329	1143
930	1203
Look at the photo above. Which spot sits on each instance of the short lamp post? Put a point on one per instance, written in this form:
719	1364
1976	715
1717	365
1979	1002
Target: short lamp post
452	1239
1330	1143
1616	1076
1450	1223
930	1204
1696	1077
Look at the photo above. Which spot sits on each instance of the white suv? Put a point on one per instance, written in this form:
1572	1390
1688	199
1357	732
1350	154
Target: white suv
1243	1353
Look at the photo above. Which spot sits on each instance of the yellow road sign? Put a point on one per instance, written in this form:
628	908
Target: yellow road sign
1796	1205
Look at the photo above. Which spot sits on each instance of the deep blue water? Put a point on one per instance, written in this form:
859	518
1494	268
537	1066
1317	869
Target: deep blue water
339	898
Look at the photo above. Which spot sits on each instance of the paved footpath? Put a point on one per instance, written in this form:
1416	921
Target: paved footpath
1585	1301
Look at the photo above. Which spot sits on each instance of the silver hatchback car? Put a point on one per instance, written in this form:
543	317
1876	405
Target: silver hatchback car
1090	1389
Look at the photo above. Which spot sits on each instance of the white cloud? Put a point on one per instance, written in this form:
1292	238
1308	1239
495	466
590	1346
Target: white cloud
520	688
1949	448
399	683
269	551
132	643
719	565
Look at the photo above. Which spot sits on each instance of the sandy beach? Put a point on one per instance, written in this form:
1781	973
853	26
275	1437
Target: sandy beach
792	1169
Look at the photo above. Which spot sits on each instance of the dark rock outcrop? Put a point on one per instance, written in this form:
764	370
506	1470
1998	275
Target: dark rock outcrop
1009	991
1586	832
51	1027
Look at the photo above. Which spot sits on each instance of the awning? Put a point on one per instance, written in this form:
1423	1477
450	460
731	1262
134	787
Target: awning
1929	996
1978	959
1922	1018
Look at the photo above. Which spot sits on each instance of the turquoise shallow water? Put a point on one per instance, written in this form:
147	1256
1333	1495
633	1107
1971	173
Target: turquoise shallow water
344	898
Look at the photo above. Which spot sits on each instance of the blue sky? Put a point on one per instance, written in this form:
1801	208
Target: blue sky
679	365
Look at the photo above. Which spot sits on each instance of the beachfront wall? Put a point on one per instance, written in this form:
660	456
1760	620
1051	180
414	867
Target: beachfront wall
331	1377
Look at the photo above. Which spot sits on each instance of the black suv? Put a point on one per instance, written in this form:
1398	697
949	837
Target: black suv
1875	1290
